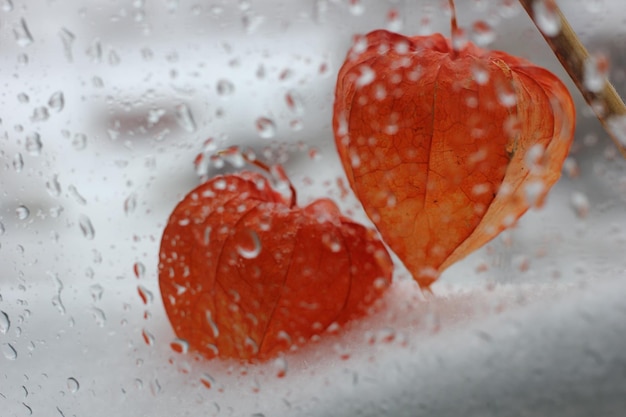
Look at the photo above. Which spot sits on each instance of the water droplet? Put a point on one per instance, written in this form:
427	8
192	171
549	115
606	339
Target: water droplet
7	5
214	328
23	98
147	337
225	87
18	162
280	367
73	385
617	125
480	73
33	144
5	323
546	17
40	114
53	187
95	50
130	204
139	269
367	76
535	192
595	71
356	7
234	156
96	292
146	296
56	101
22	212
67	38
580	204
22	34
9	351
332	242
77	196
79	142
251	346
185	118
265	127
86	227
99	316
294	102
248	244
394	21
207	380
114	58
484	34
180	346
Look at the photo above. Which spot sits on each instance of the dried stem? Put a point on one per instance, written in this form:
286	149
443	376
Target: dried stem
568	48
454	27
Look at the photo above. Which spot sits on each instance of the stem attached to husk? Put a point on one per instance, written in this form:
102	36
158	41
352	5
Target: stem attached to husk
454	27
572	54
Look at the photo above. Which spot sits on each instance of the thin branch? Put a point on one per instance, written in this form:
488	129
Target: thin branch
568	48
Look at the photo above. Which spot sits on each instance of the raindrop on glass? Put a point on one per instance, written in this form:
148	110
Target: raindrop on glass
207	380
147	337
9	351
79	142
73	385
67	38
40	114
5	323
546	17
7	5
96	291
617	125
23	98
33	144
114	58
580	204
214	328
248	244
130	204
185	118
356	7
77	196
595	70
280	367
294	102
139	270
22	34
145	294
265	127
225	87
483	33
180	346
86	227
53	187
2	231
99	316
56	101
18	162
22	212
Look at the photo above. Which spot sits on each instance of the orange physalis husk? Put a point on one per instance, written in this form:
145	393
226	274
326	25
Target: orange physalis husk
246	274
446	148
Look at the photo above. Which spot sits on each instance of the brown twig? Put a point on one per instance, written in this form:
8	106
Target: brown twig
572	54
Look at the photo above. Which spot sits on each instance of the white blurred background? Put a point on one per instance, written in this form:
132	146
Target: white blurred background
105	104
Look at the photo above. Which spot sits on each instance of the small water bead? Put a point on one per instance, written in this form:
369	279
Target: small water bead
484	34
22	212
225	87
248	244
53	187
185	118
139	270
22	34
5	322
130	204
546	17
595	71
57	101
8	351
18	162
33	144
80	141
86	227
180	346
266	127
73	385
580	204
